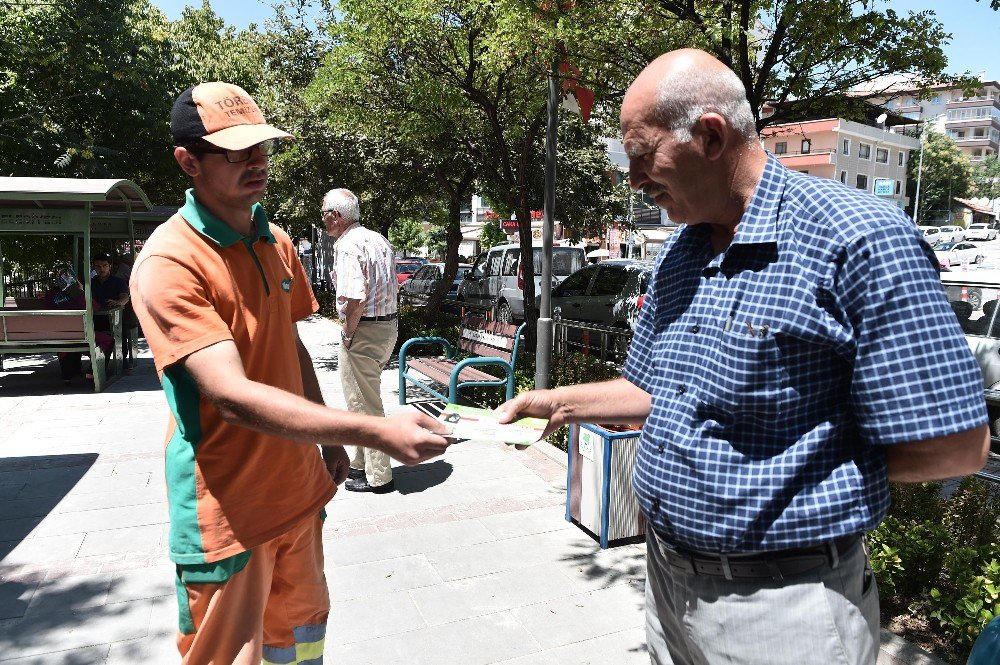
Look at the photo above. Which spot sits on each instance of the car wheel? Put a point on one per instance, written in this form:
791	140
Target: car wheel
503	313
976	300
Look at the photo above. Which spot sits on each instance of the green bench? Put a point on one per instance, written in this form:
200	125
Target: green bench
493	344
27	327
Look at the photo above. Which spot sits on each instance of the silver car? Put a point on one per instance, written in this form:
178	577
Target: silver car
418	288
610	293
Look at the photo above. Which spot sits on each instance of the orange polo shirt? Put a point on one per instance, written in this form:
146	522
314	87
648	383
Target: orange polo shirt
196	283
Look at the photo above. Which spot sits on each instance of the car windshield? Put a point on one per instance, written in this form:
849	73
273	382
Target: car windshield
408	268
978	227
946	246
565	260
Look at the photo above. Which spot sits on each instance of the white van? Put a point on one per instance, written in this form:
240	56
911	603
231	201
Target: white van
974	296
497	280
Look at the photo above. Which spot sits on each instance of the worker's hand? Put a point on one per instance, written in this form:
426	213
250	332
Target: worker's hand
534	404
413	437
337	463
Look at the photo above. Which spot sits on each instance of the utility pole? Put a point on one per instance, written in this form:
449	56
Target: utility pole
920	171
543	348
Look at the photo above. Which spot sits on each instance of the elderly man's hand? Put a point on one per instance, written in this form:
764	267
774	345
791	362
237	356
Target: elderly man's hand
534	404
413	437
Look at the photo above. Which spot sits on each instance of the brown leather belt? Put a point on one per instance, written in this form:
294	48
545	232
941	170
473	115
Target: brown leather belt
760	565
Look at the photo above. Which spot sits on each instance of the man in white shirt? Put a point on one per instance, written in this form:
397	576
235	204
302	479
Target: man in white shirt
367	291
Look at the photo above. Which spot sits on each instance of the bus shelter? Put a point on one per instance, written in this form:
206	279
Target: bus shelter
83	209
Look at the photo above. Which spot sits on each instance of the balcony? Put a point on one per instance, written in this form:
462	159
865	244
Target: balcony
816	157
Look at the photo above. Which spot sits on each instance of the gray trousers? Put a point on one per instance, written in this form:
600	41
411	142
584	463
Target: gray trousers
361	377
828	617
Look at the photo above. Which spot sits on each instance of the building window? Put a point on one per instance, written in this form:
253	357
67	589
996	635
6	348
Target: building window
881	155
979	132
806	146
897	188
864	151
843	177
846	147
900	157
960	134
936	99
781	147
862	182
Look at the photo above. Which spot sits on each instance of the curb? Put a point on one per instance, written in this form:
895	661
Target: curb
893	649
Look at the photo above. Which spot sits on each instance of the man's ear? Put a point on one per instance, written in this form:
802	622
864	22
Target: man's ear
188	162
712	132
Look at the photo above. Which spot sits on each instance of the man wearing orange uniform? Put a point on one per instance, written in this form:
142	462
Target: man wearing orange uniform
218	291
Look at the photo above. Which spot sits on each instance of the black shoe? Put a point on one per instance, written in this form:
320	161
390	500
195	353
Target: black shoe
363	486
356	474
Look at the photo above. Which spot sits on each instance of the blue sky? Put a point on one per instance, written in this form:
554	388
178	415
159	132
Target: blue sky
975	28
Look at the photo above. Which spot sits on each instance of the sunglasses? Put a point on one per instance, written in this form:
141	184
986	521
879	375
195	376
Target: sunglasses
267	148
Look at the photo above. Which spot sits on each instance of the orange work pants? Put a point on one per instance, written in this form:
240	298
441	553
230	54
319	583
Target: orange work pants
267	605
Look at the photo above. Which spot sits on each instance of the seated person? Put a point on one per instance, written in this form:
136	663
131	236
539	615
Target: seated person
108	290
66	292
963	311
981	326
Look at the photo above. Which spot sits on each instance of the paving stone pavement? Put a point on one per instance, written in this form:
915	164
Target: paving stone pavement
470	561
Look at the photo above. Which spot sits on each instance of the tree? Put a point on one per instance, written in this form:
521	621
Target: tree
464	83
407	236
74	74
986	178
803	55
946	174
491	234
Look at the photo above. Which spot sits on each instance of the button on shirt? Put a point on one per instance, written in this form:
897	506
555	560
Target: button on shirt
365	270
781	368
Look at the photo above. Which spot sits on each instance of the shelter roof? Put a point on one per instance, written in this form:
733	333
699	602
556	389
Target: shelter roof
107	195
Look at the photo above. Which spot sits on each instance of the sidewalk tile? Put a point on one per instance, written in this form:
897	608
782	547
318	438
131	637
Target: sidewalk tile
372	617
45	632
575	618
477	596
476	641
70	594
379	577
85	656
41	549
127	539
404	542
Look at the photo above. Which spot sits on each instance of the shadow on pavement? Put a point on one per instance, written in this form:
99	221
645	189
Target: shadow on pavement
30	487
411	480
38	375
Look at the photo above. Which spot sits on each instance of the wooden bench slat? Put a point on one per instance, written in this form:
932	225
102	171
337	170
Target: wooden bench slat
45	323
483	350
440	370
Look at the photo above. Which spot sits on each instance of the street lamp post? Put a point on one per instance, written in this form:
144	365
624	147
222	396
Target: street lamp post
543	348
920	170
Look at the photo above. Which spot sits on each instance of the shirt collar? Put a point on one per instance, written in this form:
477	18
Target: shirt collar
759	222
210	226
352	227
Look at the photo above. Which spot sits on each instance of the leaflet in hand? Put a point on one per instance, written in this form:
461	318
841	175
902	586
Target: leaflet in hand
484	425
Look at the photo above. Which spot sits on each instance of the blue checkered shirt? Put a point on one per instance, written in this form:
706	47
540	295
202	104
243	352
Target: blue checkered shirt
780	369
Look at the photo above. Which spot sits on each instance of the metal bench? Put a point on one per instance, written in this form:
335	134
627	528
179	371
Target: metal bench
493	343
26	327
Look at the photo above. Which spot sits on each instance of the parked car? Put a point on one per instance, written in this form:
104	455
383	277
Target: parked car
954	253
497	278
932	235
973	295
423	282
952	233
406	267
980	231
610	293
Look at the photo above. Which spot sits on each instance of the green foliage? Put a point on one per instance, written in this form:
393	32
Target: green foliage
972	599
945	174
491	235
986	178
939	557
407	235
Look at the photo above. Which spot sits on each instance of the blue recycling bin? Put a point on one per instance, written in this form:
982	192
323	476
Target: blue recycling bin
599	495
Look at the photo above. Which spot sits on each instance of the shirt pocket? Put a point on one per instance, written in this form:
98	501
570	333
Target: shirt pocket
749	373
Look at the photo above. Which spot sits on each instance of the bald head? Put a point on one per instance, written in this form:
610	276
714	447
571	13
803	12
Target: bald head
679	87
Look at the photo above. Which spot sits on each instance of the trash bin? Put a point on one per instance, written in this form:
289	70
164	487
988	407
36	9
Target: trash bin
599	496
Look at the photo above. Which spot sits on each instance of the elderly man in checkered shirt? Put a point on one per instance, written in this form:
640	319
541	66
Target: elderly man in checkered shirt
780	380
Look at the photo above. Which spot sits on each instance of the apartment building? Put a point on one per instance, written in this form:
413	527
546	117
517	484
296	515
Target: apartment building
971	121
862	156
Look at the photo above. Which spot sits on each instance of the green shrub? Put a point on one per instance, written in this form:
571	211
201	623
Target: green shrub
916	503
972	513
327	303
971	599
